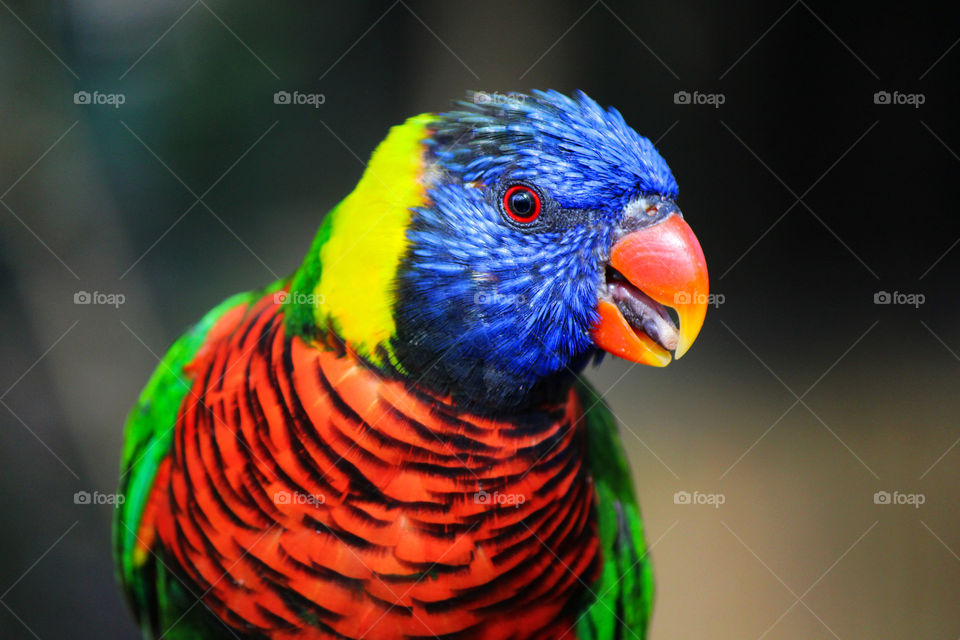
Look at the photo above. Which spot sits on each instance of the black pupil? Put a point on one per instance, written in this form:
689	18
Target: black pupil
522	203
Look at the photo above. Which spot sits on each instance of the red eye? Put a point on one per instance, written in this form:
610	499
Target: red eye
521	203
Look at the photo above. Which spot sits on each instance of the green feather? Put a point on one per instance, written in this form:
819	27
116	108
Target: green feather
623	595
301	313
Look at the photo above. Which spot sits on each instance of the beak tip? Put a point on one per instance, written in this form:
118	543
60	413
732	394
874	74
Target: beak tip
659	363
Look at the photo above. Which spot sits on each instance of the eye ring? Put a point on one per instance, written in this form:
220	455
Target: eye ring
522	204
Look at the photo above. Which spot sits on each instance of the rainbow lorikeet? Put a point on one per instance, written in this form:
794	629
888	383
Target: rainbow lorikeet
394	442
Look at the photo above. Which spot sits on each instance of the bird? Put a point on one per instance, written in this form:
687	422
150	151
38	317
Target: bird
397	440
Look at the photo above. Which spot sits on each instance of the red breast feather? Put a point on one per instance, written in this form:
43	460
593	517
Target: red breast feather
307	497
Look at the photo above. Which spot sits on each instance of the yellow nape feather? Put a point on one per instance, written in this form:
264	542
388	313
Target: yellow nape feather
368	239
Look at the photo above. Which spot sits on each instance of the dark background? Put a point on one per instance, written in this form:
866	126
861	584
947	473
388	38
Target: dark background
96	198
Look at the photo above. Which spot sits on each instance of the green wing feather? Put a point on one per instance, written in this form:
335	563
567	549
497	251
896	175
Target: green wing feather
622	598
148	435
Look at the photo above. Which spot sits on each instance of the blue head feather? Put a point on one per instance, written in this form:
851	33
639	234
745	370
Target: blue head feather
498	313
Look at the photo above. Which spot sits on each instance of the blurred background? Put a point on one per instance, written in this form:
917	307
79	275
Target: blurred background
144	160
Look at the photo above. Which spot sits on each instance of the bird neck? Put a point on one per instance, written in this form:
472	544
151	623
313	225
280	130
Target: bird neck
479	385
345	285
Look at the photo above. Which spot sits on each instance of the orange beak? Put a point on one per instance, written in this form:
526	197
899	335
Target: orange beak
657	266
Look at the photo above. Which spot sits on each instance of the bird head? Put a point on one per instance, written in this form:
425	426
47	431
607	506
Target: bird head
489	252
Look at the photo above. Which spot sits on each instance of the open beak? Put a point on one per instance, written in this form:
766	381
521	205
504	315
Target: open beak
657	265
